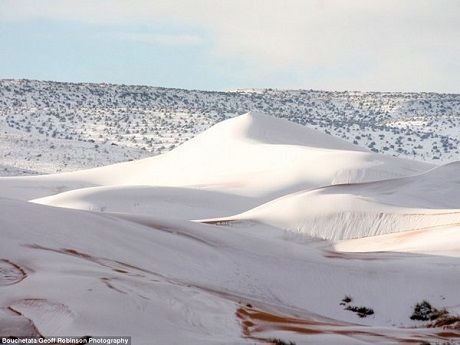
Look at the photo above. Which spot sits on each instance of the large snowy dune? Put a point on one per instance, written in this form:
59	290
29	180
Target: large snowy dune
244	161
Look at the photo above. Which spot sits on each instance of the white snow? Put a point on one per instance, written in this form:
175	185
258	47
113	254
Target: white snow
49	127
358	210
234	157
256	210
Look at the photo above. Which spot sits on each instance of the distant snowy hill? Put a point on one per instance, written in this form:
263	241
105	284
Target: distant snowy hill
48	127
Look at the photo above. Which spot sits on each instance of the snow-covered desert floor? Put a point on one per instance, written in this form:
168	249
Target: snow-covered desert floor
256	231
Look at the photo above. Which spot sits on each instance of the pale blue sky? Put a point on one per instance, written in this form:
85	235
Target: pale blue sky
403	45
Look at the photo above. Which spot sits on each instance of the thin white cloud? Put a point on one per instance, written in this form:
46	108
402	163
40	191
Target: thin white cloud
165	39
410	44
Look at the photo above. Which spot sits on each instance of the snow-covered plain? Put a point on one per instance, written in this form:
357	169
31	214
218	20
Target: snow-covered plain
255	229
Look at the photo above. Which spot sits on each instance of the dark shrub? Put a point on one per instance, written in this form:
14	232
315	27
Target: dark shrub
361	311
425	312
276	341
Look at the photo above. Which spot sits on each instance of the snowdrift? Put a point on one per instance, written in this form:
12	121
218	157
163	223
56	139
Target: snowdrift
350	211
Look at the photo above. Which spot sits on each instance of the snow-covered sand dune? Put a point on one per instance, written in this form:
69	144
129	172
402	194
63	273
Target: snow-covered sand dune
358	210
243	162
183	282
121	249
251	155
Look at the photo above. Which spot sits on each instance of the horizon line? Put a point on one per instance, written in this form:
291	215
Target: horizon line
233	90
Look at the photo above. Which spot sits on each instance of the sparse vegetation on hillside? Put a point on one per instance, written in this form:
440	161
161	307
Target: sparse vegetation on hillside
113	123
